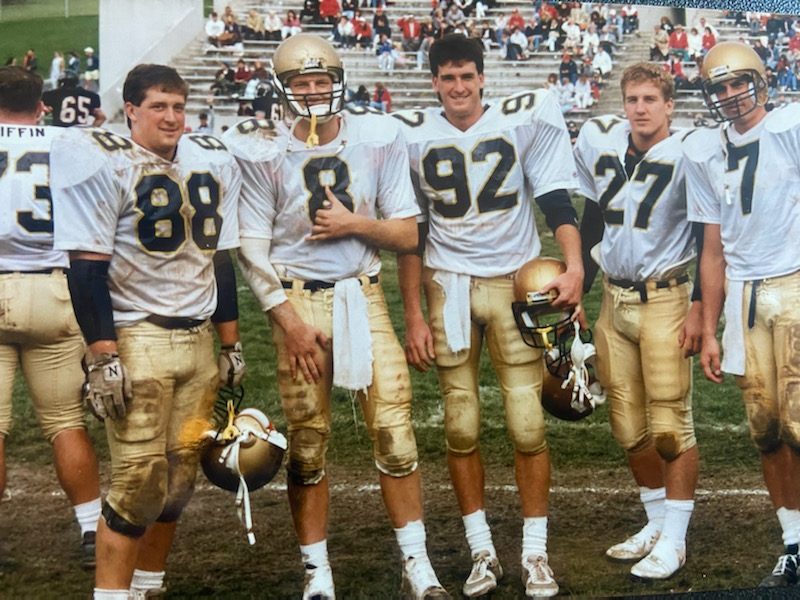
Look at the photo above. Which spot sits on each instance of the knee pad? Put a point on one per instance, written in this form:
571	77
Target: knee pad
766	434
633	445
181	473
140	492
525	420
528	440
461	423
395	450
670	446
307	449
121	525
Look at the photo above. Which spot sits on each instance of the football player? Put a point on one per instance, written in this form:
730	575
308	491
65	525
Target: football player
314	189
148	222
38	330
631	173
476	167
742	182
72	105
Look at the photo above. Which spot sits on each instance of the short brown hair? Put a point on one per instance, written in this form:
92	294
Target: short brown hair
20	90
144	77
652	72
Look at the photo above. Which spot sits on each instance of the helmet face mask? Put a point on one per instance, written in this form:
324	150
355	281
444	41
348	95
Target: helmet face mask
306	54
739	66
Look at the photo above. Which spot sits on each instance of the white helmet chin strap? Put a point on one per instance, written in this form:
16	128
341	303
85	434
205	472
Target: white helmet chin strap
582	355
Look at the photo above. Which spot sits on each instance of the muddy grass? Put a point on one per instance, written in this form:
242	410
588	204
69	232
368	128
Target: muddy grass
733	540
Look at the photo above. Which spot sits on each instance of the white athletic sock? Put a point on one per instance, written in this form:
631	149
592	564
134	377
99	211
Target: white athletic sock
100	594
315	555
653	501
87	515
147	580
479	536
534	536
790	524
677	514
411	540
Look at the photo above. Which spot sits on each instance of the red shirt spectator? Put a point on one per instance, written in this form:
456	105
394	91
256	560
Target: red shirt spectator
409	26
794	42
515	20
709	40
361	27
678	40
329	8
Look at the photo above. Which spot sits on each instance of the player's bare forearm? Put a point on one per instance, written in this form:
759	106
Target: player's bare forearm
569	284
103	347
712	279
227	332
409	273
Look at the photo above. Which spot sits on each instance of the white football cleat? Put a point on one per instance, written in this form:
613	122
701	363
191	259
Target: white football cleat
486	572
635	547
319	584
537	576
663	561
420	581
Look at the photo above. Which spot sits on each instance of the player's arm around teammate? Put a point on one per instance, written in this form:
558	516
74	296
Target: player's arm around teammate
148	222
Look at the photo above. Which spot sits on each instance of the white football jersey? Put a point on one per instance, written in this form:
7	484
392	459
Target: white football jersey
366	166
750	186
161	221
26	208
646	233
477	186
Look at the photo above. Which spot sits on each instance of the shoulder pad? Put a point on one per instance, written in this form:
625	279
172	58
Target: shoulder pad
701	143
79	153
370	127
410	118
254	139
783	119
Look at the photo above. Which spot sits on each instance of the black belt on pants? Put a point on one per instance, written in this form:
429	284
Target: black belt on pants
315	285
37	272
174	322
641	286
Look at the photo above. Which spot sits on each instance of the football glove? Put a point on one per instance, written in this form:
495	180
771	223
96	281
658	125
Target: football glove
107	389
231	365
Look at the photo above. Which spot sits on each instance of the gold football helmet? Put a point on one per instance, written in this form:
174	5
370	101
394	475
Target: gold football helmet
728	61
307	53
538	321
243	454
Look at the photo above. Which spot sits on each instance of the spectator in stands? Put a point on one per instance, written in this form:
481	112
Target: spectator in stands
583	92
535	33
616	25
772	82
381	99
630	15
659	47
573	130
572	35
427	39
361	97
214	28
675	67
362	32
242	74
206	119
454	16
229	13
591	40
91	75
385	54
516	20
30	62
223	80
272	27
553	34
381	24
695	43
480	9
568	68
516	44
73	64
679	43
702	23
310	9
411	33
232	34
349	8
344	33
762	51
329	11
787	80
253	28
602	64
709	39
665	24
291	25
566	95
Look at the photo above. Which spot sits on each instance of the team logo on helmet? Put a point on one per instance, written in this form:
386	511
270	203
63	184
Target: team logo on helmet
538	321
